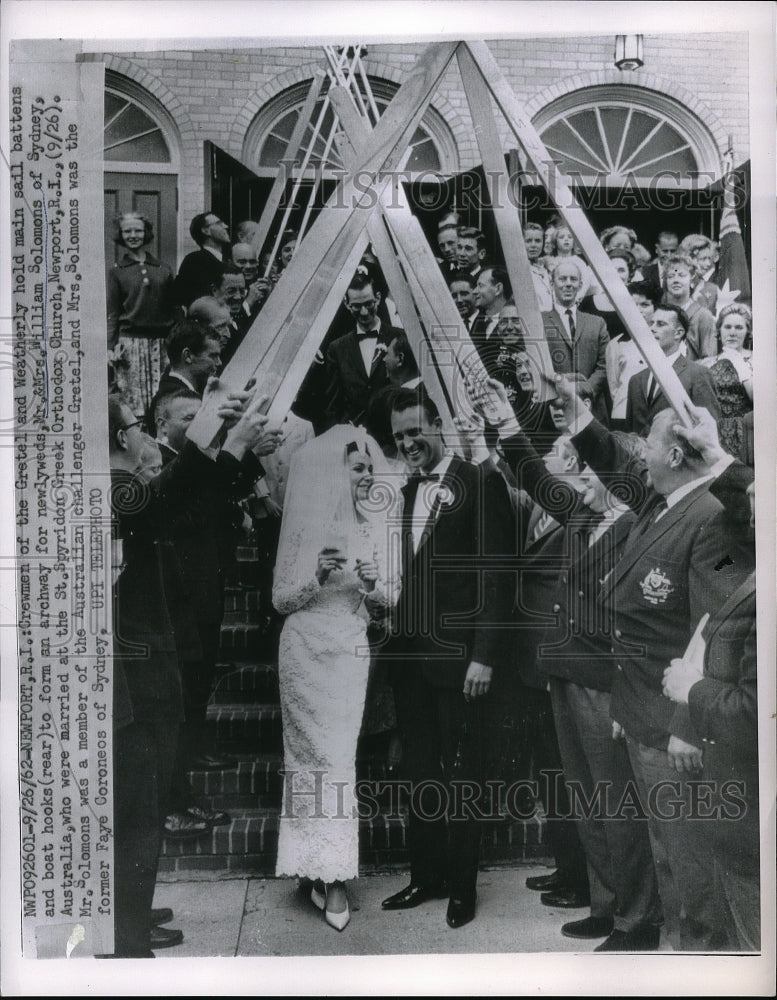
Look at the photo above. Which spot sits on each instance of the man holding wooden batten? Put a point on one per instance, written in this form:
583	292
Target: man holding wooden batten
683	558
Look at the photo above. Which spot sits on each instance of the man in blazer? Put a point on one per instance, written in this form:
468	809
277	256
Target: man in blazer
449	634
645	398
544	557
721	691
577	340
681	560
573	651
355	366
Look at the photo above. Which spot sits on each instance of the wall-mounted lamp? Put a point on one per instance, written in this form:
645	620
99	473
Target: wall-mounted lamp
628	51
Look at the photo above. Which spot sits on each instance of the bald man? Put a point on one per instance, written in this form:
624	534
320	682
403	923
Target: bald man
577	340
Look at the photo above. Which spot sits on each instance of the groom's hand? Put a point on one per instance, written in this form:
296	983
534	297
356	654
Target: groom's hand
478	680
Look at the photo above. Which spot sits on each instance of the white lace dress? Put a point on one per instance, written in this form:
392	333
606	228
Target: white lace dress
323	666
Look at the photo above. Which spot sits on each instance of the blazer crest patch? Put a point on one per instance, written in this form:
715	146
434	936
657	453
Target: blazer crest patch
656	586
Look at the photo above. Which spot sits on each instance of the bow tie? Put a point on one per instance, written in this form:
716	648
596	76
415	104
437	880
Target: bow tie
425	477
366	333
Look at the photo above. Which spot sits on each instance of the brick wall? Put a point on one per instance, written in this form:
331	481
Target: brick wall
215	94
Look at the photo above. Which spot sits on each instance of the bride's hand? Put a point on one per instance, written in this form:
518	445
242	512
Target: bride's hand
368	574
329	560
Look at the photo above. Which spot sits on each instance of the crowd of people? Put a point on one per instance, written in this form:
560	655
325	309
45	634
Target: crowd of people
576	570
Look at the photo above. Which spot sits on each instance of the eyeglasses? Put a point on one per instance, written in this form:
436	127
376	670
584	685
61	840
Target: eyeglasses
369	306
126	427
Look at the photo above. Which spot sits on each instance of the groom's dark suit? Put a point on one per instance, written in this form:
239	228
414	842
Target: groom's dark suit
454	608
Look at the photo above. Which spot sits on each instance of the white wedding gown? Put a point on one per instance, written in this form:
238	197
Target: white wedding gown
323	665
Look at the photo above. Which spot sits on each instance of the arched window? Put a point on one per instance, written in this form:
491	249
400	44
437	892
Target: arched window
627	134
433	148
137	130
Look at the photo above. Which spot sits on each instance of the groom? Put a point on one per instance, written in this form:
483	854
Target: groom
449	634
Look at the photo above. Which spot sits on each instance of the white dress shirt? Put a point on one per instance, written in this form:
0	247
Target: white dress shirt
367	343
424	501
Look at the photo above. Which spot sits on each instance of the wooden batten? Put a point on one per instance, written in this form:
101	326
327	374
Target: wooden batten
575	218
318	274
506	217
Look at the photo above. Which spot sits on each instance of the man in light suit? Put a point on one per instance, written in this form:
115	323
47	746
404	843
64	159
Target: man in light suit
449	634
645	398
680	560
355	365
721	691
577	340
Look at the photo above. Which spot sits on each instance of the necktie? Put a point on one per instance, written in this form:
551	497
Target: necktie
571	321
652	390
659	510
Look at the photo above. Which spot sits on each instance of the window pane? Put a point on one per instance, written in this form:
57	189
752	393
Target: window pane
146	149
272	152
561	138
614	122
424	155
584	122
124	137
639	128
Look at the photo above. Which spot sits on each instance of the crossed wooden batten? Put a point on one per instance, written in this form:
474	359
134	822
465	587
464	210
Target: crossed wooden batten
282	343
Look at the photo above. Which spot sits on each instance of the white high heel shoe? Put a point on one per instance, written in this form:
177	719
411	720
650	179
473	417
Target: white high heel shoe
317	897
338	920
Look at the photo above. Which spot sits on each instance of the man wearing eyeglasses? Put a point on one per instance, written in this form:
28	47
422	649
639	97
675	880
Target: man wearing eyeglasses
356	368
202	269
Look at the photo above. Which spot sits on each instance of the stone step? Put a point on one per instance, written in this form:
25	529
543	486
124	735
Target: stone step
253	783
241	599
252	682
253	727
256	781
241	640
249	844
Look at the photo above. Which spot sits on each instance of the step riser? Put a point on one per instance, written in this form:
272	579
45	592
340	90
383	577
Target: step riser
259	835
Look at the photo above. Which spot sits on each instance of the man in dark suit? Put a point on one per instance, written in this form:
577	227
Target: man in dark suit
546	544
213	314
447	244
355	362
645	398
230	291
204	549
573	650
680	560
720	687
577	341
202	268
653	274
448	636
470	251
194	353
462	289
492	290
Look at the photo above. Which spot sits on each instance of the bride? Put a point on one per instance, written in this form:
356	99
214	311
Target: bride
330	572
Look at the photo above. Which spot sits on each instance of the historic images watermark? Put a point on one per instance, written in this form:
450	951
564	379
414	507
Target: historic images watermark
499	800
